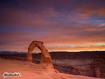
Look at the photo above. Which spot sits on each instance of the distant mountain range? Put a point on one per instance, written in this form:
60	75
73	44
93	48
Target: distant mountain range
9	52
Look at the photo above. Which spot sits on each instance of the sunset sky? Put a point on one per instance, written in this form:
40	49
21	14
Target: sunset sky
63	25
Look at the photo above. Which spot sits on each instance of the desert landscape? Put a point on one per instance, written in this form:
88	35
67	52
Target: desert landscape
67	65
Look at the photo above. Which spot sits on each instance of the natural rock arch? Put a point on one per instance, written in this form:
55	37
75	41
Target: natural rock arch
45	56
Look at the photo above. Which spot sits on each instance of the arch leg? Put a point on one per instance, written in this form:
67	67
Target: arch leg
29	55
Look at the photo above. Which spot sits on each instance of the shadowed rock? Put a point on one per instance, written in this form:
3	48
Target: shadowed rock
97	67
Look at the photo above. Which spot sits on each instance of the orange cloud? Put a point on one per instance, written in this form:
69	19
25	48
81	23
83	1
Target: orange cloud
79	48
84	35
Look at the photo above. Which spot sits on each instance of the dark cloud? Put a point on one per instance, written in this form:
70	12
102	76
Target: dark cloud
94	8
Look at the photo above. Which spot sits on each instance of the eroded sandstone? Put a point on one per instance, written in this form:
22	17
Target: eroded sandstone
45	56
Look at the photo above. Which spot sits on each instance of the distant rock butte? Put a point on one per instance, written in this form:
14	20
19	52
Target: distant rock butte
97	67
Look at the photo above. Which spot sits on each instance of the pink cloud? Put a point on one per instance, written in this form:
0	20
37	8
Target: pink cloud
85	36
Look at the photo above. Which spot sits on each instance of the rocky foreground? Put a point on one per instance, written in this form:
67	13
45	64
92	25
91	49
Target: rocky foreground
28	70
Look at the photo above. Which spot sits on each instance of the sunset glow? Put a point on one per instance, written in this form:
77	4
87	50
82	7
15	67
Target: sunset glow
63	25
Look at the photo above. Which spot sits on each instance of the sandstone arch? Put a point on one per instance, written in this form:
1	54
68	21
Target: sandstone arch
45	56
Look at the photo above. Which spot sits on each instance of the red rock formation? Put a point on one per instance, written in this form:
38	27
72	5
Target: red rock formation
45	56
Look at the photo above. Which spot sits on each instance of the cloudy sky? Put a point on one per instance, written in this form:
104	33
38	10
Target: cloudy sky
63	25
